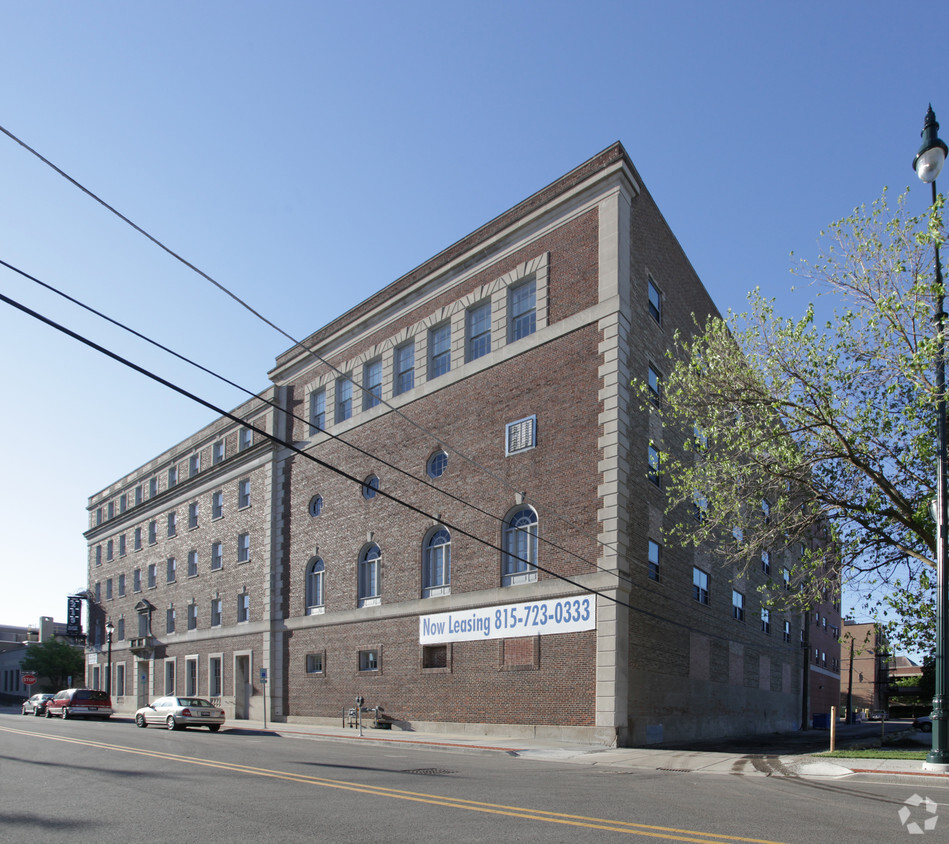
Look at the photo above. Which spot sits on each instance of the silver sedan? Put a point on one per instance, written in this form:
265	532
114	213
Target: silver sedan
176	713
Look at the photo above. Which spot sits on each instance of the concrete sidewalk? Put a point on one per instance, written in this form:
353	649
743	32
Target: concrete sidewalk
776	760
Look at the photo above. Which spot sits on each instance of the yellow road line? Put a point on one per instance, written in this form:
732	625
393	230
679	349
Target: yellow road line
628	827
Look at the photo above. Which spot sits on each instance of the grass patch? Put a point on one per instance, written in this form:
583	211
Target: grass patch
875	753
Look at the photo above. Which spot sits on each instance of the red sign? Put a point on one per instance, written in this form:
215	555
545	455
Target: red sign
29	679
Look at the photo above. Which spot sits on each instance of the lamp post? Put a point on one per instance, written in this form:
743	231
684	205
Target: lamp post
927	164
109	629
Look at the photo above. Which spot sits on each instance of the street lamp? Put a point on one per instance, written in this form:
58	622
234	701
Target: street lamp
927	164
109	629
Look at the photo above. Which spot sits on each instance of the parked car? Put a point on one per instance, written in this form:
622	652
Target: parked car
176	713
878	715
36	705
924	723
84	703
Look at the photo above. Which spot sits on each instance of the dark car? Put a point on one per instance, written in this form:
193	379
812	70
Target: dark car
36	705
924	723
82	703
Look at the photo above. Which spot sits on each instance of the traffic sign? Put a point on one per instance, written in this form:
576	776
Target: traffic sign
29	679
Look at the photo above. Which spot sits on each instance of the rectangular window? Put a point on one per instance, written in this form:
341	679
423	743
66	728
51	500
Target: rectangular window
170	620
192	515
766	620
344	399
137	539
787	631
243	493
766	562
435	656
404	368
214	676
152	576
121	585
478	331
439	350
245	439
98	515
522	310
108	589
243	547
143	622
109	551
520	435
110	509
119	689
217	556
192	564
170	677
172	476
371	384
369	660
317	411
138	495
172	524
152	533
122	545
217	452
216	608
191	676
171	570
654	379
314	663
217	505
98	555
655	552
243	607
655	470
137	580
700	585
738	606
123	502
192	616
787	578
120	630
152	487
194	465
655	301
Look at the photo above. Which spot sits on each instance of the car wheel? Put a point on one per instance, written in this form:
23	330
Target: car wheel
927	728
23	711
37	713
140	721
65	713
171	723
214	727
48	713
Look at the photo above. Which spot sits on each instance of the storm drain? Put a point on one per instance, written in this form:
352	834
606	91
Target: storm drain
430	772
675	770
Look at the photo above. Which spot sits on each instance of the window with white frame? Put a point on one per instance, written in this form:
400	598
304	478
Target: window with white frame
317	411
137	580
787	631
404	368
654	560
121	585
217	452
344	399
765	620
170	620
766	562
371	384
217	609
315	572
172	476
108	589
138	495
654	380
119	688
137	539
171	570
120	630
369	660
192	563
786	573
110	509
700	585
172	524
215	684
109	551
122	545
123	502
436	563
192	515
152	575
217	556
192	616
191	676
169	676
98	592
520	435
654	299
368	575
522	309
439	350
98	555
243	547
738	605
152	487
519	564
194	465
478	331
243	493
217	505
243	607
152	533
245	439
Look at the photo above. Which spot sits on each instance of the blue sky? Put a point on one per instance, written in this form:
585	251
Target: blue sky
305	154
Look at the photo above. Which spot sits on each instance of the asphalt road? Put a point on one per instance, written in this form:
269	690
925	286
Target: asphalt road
111	782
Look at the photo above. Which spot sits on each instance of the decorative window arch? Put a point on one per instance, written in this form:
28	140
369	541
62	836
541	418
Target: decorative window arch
315	572
368	575
520	547
436	563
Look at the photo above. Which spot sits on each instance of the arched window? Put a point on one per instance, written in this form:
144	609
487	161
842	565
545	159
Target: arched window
436	563
437	464
314	586
370	487
520	548
369	575
316	505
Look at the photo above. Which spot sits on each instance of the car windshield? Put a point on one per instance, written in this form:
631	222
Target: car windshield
193	701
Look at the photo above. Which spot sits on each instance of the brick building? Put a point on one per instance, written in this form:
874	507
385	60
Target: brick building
526	587
865	660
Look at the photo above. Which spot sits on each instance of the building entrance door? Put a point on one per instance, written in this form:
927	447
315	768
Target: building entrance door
242	687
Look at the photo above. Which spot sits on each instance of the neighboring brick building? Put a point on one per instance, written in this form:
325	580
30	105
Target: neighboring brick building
865	662
528	589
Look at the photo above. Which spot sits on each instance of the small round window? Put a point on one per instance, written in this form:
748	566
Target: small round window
370	487
437	464
316	505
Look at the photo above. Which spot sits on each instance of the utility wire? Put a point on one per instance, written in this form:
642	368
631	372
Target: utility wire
277	406
277	441
296	343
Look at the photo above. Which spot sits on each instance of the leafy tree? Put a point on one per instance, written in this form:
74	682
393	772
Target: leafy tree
817	438
54	660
